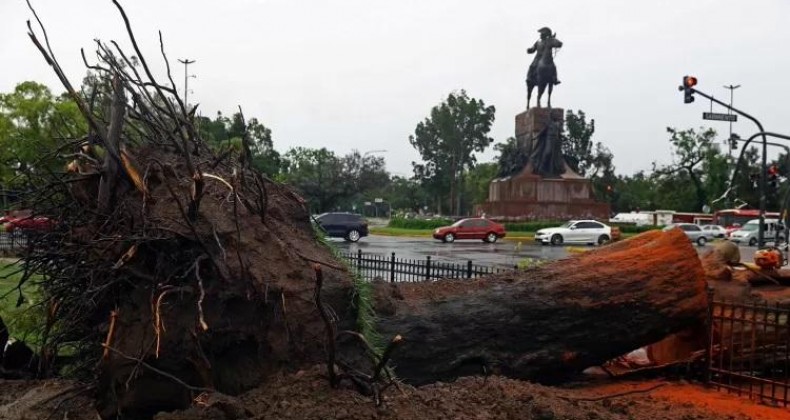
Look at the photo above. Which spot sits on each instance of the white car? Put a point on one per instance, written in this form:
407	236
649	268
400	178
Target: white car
575	231
714	231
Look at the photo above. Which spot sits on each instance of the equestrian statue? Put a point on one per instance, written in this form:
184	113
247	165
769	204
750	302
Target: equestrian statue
542	71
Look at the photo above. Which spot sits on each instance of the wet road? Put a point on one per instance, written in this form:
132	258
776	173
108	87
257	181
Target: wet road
502	253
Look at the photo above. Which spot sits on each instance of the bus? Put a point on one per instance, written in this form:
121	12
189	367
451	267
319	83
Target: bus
696	218
732	219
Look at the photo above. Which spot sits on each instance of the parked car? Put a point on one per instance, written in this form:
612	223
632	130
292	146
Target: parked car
692	231
23	220
349	226
715	231
472	228
749	231
575	231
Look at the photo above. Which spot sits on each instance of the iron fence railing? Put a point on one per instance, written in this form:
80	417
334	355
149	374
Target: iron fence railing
393	269
12	242
749	350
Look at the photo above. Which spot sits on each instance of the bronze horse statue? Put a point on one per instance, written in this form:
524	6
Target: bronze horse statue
542	72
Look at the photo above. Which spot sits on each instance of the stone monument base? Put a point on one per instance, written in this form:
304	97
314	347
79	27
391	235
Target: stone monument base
530	197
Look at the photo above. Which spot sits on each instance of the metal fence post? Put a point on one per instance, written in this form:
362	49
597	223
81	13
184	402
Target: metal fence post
359	262
469	269
709	347
428	267
392	268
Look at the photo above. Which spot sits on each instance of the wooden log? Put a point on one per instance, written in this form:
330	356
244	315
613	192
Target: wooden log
545	323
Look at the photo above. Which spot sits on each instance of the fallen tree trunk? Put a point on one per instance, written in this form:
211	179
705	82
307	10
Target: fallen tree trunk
544	323
198	274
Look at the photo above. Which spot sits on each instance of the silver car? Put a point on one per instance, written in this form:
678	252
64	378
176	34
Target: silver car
694	232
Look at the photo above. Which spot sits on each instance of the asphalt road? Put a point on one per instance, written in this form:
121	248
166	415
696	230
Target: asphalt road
502	253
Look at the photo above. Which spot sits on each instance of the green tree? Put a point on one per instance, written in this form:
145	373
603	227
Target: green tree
693	153
577	145
512	157
406	194
225	134
477	181
33	124
448	139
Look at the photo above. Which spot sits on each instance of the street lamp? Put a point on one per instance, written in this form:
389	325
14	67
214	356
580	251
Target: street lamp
729	111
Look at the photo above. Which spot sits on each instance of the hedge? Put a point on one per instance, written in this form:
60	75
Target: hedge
399	222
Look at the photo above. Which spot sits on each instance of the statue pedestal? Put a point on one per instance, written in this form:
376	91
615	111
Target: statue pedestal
531	196
531	122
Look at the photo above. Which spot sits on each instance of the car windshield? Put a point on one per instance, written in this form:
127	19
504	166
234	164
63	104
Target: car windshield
751	227
458	223
566	224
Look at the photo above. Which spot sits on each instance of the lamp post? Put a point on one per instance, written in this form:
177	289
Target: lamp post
729	111
186	62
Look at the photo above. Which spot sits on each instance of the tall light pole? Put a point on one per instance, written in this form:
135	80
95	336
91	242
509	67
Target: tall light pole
729	111
186	62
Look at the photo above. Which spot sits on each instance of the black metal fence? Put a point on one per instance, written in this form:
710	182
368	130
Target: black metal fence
12	242
393	269
749	350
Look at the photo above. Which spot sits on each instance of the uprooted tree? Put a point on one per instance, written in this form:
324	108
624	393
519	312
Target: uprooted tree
174	271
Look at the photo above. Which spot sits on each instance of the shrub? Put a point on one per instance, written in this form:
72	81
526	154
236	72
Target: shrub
399	222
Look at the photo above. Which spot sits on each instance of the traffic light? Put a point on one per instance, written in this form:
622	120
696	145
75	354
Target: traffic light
773	177
688	88
734	141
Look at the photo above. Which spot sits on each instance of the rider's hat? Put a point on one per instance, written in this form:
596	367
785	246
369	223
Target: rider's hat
545	30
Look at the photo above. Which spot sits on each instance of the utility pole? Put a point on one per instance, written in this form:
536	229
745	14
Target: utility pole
186	62
729	111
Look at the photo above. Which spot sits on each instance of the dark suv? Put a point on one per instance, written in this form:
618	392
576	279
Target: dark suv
348	226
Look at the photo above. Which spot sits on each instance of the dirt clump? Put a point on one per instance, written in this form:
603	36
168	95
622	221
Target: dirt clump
306	395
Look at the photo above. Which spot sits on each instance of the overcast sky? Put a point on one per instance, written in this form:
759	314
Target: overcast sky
360	74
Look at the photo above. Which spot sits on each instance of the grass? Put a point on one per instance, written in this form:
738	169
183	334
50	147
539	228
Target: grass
24	321
362	300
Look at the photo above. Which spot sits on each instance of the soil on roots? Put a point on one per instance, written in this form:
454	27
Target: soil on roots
307	395
220	299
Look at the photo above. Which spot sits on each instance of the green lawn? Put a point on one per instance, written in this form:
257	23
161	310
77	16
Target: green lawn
23	322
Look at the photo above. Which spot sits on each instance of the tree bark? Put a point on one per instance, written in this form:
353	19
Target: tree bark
546	323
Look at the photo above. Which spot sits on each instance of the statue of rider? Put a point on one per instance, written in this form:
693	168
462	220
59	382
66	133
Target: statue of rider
543	46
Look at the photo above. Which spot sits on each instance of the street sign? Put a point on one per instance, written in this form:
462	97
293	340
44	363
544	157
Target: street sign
379	200
719	117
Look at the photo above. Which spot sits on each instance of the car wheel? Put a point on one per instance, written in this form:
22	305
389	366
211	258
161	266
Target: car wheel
603	239
753	242
556	240
449	237
701	241
353	235
491	238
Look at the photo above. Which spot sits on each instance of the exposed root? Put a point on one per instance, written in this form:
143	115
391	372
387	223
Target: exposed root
110	333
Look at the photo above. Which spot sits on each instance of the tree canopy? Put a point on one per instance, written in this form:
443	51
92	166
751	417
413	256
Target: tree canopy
447	140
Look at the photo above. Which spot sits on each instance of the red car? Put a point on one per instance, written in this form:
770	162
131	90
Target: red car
23	220
473	228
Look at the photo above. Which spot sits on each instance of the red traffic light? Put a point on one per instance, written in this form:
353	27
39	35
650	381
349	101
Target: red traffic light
689	81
